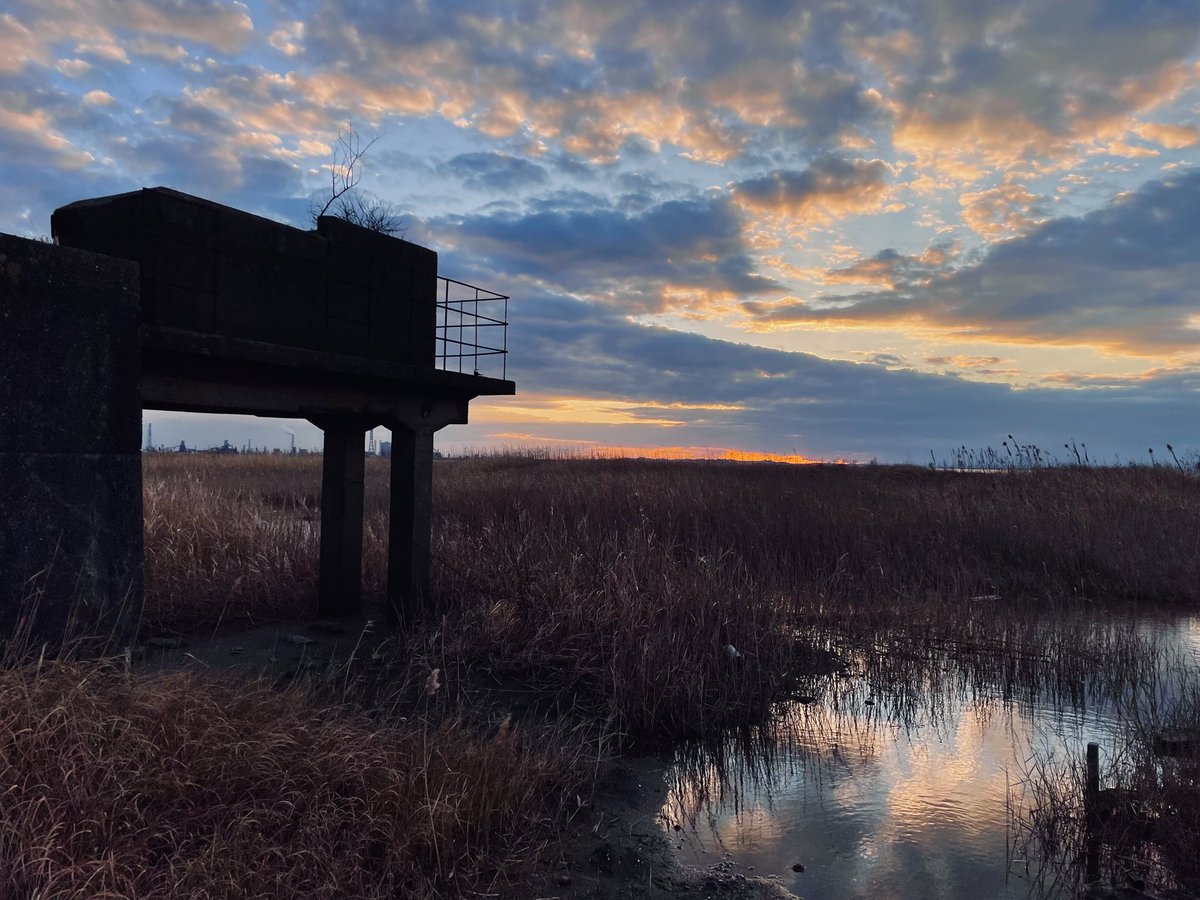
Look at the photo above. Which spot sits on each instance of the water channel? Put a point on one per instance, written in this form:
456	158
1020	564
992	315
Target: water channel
913	785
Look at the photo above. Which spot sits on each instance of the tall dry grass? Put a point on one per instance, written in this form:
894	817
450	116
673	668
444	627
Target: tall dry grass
632	576
234	538
168	785
629	581
1142	830
660	597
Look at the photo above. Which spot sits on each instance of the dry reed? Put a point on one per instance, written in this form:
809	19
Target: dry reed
665	597
670	593
171	786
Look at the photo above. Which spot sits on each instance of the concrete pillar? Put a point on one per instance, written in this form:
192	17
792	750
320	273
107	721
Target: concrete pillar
411	522
70	442
340	586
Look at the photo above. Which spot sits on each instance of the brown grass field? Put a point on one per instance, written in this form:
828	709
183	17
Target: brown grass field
621	582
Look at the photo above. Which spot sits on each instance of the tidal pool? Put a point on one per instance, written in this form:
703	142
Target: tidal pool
912	780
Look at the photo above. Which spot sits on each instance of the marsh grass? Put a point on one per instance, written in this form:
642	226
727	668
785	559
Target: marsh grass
897	684
631	576
665	599
629	580
1143	830
169	785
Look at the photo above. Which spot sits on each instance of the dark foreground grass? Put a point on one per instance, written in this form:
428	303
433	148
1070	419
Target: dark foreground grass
172	786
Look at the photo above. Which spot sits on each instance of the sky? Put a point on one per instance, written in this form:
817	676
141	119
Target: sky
847	229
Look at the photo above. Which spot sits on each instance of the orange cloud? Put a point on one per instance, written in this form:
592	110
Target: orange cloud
1130	151
1173	137
287	39
965	362
597	126
827	190
1007	209
37	128
18	45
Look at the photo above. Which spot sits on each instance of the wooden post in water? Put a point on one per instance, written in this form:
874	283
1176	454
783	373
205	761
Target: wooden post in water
1092	813
1093	773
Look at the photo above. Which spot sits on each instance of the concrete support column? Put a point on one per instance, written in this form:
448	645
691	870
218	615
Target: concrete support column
340	587
70	458
411	522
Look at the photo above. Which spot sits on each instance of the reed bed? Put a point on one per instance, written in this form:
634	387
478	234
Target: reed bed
168	785
655	598
237	538
1142	830
671	594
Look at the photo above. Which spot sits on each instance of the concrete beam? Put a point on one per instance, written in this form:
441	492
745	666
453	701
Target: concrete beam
299	401
340	585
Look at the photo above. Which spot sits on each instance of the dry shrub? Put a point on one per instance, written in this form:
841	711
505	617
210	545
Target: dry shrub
667	645
171	786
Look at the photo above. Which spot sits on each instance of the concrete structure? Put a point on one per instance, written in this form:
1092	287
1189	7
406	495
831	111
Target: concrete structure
70	431
239	314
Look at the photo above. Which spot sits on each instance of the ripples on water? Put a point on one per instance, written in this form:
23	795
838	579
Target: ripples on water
912	782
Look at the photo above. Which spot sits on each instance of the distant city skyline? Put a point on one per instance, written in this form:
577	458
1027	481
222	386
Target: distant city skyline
823	229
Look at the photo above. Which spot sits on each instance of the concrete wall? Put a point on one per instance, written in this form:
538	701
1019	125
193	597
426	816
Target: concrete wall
212	269
70	430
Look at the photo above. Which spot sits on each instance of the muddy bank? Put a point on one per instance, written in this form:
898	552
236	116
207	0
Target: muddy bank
619	846
616	845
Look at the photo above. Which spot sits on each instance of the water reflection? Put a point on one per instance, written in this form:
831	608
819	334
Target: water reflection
903	779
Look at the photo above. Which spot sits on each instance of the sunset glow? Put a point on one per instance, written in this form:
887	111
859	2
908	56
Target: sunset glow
521	441
832	229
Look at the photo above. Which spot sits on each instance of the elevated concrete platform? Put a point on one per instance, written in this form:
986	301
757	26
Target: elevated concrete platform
180	303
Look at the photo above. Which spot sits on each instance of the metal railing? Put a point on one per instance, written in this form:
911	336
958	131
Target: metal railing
459	324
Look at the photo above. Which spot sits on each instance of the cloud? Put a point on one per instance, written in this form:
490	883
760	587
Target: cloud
964	362
1010	83
287	38
104	51
30	134
600	83
670	159
223	26
1124	278
829	188
74	68
93	24
156	49
889	268
1004	210
18	46
1171	136
675	253
495	172
727	394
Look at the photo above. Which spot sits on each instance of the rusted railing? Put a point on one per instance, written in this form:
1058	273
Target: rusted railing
470	341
